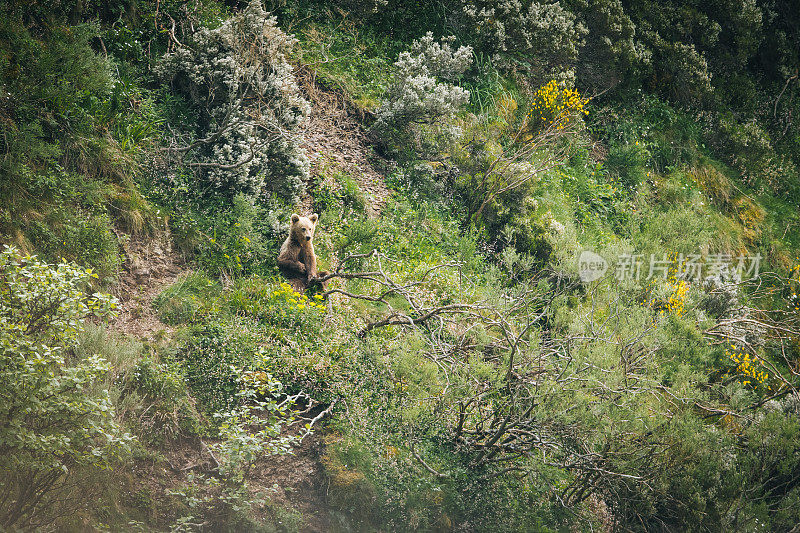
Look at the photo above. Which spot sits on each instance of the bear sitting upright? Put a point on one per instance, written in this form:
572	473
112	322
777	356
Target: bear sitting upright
297	260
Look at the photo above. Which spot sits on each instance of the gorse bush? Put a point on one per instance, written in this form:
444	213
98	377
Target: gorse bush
276	304
53	421
554	106
238	79
423	99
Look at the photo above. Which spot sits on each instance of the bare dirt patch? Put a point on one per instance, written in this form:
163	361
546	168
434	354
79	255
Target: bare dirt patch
293	483
334	134
299	482
150	266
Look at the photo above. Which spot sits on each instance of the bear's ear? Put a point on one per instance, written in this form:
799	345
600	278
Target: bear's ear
313	218
295	217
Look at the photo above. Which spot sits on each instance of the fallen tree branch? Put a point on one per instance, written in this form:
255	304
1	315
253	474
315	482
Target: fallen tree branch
426	466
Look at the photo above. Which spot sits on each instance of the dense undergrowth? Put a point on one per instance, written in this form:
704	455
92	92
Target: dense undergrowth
464	369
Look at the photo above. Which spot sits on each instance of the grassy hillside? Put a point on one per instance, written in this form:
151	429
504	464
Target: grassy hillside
464	368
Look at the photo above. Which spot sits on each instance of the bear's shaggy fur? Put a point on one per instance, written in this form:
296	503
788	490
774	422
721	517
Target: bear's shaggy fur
297	260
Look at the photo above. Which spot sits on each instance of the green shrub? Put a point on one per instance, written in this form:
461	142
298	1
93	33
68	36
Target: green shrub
228	238
627	163
213	359
540	39
423	99
667	137
611	55
73	139
247	434
165	408
275	304
87	240
351	492
55	421
338	190
187	300
352	61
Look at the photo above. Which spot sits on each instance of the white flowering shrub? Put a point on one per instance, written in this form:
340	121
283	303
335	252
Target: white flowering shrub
423	99
541	39
238	78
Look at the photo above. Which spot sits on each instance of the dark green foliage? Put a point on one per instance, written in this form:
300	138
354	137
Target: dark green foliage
213	360
68	146
611	55
229	236
244	239
647	132
627	163
354	61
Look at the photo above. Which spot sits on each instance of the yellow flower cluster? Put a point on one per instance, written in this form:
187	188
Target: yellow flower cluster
676	303
555	105
297	300
752	368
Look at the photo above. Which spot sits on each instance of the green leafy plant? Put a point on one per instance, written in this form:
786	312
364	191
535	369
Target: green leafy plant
54	422
247	433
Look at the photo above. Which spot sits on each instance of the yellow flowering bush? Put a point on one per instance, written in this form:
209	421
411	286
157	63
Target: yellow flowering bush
676	303
677	290
278	304
750	368
554	106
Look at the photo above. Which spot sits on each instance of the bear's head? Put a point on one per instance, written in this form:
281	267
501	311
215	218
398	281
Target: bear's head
303	227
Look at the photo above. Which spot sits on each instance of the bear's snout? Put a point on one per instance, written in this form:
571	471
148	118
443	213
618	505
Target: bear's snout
308	237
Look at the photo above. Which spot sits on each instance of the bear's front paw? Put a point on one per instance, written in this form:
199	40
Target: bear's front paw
301	268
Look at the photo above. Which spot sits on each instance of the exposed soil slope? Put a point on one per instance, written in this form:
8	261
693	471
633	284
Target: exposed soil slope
333	135
150	267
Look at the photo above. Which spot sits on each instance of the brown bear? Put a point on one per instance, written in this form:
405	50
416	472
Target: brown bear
297	260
